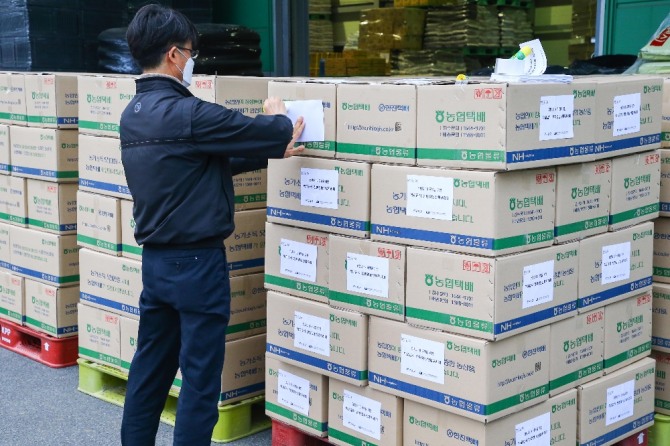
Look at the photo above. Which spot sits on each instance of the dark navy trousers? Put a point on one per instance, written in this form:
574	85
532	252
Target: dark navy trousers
184	313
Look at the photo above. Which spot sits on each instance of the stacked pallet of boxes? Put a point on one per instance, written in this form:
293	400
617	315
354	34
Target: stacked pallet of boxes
502	298
39	254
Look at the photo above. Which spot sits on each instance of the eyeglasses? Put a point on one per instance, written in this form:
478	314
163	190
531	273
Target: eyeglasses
194	53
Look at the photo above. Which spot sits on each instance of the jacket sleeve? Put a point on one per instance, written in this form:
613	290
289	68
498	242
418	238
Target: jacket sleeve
242	165
220	131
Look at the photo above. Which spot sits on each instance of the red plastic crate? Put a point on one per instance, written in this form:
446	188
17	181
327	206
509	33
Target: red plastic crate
50	351
285	435
637	439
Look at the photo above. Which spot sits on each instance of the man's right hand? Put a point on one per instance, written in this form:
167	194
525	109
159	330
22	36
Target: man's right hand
274	106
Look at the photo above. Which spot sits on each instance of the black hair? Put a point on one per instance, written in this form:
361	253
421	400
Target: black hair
156	28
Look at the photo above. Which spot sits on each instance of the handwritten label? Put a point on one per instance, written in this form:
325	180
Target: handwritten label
298	260
293	392
534	432
538	284
615	263
626	114
312	333
620	402
422	358
362	414
367	275
319	188
430	197
556	117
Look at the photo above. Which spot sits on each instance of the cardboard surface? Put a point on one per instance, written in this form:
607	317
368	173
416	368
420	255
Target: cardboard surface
243	373
244	94
474	378
319	338
662	388
52	207
128	332
52	100
13	200
12	302
203	86
44	154
99	336
635	189
665	114
662	250
664	196
660	326
102	99
488	213
245	247
5	248
251	190
100	167
327	195
615	266
5	150
628	326
99	222
51	310
129	246
247	307
13	98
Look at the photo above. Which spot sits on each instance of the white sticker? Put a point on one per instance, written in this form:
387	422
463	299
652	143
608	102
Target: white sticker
298	260
626	114
430	197
367	275
538	284
620	402
293	392
615	263
422	358
311	111
312	333
319	188
556	117
534	432
362	414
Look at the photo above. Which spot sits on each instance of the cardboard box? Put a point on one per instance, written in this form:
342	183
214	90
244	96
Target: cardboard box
99	222
505	125
128	332
363	415
615	266
664	195
635	189
204	87
5	150
661	260
13	98
100	167
554	419
247	307
111	283
245	248
251	190
377	122
13	202
44	154
52	207
243	373
660	326
52	100
129	247
296	397
319	338
321	194
99	336
12	303
577	348
102	99
617	405
51	310
491	298
488	213
297	261
292	90
627	331
477	379
665	114
5	248
582	200
244	94
367	276
662	388
49	258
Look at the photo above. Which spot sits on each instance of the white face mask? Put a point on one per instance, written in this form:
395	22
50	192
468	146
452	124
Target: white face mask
187	73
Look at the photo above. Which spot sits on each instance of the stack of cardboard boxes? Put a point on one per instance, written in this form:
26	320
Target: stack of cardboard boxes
39	254
443	281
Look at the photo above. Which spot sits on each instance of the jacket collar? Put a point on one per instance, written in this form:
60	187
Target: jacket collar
148	83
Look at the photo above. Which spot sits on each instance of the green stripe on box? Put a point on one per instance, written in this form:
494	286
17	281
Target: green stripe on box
131	249
662	404
250	198
68	279
42	119
492	156
44	224
43	325
390	152
310	288
517	399
366	302
583	225
109	359
633	352
18	219
251	325
11	314
449	319
326	146
177	382
662	272
92	125
125	365
347	438
290	415
523	240
92	241
634	213
576	375
13	117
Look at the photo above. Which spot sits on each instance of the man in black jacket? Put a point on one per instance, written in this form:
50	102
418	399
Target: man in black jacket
179	154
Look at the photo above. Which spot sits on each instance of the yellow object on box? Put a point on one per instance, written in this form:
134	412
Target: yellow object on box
391	28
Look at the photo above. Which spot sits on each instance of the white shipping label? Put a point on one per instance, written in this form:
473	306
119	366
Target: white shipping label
422	358
319	188
620	402
556	117
293	392
298	260
538	284
367	275
615	263
362	414
430	197
312	333
534	432
626	114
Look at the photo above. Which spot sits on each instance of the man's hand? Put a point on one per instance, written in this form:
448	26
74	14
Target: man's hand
297	131
274	106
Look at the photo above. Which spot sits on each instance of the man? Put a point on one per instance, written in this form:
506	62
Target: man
179	154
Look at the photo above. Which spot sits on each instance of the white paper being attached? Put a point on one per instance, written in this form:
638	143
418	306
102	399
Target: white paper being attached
368	275
556	114
298	260
538	284
536	62
430	197
362	414
311	333
626	114
615	263
422	358
534	432
319	188
312	112
293	392
620	402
